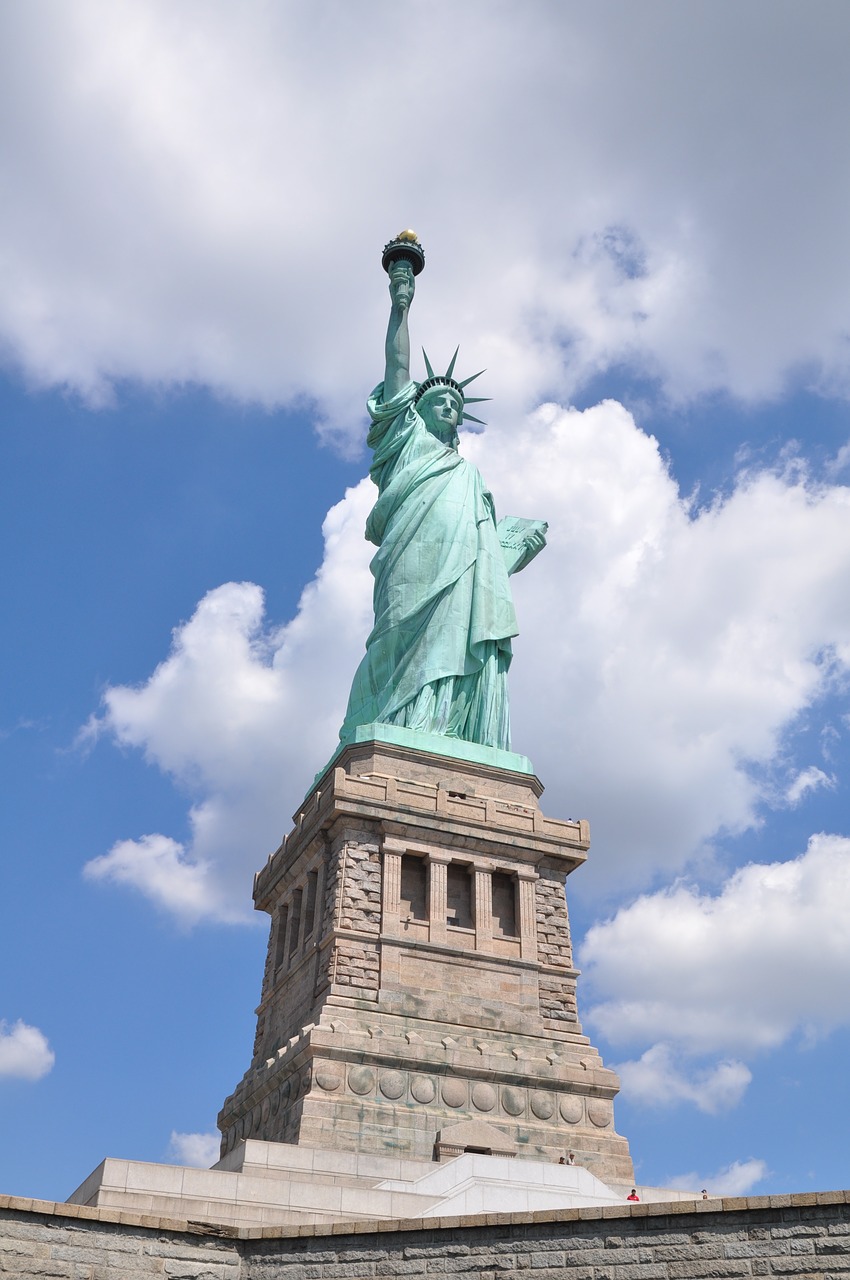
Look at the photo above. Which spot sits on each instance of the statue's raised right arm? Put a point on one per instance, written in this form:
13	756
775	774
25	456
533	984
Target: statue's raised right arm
402	287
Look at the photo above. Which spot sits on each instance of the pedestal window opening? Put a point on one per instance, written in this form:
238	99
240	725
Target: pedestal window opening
310	907
413	901
458	896
280	941
504	906
295	931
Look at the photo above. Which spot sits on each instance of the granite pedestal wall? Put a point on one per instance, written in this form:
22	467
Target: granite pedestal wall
419	977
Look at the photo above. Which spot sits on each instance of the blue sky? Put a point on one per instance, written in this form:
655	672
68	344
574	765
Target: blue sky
635	217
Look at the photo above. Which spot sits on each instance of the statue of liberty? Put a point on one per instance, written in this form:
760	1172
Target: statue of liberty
438	656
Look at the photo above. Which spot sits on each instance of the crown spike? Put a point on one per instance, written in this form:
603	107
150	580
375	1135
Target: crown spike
468	417
428	368
467	381
476	399
451	367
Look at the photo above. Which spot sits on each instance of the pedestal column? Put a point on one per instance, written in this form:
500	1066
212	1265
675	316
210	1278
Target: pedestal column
391	905
437	896
483	906
526	879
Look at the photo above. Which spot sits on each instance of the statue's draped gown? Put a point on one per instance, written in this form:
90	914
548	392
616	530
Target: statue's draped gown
438	656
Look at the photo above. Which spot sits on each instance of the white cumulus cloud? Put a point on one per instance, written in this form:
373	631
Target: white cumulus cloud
711	973
665	654
656	184
24	1051
160	868
657	1079
241	715
200	1150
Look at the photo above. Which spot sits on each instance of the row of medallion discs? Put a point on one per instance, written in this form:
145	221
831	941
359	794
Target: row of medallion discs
454	1092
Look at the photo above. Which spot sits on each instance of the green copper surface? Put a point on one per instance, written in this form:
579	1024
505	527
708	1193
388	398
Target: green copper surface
437	659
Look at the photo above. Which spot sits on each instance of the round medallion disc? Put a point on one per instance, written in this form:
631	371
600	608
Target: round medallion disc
454	1092
599	1113
361	1080
423	1089
392	1084
571	1110
328	1079
513	1100
543	1105
483	1097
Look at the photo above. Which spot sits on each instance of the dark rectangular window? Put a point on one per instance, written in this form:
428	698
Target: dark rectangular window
458	896
414	888
280	941
504	905
310	914
296	921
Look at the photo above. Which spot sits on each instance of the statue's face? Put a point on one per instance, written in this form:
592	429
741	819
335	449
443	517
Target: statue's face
441	410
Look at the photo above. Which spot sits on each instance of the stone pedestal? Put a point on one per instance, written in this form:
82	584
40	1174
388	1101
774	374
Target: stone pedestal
419	997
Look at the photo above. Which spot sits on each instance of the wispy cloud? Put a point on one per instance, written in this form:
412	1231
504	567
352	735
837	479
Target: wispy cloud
657	1079
736	1179
807	780
200	1150
164	872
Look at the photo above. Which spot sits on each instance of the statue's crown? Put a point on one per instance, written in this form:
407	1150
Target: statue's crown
447	380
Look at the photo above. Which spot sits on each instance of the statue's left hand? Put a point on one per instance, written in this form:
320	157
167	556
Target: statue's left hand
521	541
535	540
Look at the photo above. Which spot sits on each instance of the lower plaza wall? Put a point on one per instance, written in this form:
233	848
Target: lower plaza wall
795	1236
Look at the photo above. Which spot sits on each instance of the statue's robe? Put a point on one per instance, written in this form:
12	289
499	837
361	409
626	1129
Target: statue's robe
438	655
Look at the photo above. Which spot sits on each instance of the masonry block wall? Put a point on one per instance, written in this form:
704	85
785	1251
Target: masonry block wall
420	972
804	1237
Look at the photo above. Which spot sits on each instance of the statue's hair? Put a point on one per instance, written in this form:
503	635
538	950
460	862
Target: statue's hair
425	392
437	380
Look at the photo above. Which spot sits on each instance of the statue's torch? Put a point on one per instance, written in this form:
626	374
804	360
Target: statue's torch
404	248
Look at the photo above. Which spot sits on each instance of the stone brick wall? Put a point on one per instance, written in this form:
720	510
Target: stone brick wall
356	962
558	1006
361	904
804	1237
553	925
554	948
43	1241
281	1019
647	1243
